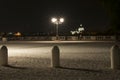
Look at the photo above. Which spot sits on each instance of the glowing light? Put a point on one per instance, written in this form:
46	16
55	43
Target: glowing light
57	21
80	25
80	29
53	20
61	19
18	34
73	32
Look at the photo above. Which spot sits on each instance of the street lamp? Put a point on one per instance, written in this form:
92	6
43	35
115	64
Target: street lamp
57	21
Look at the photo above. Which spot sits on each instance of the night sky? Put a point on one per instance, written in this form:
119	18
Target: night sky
35	16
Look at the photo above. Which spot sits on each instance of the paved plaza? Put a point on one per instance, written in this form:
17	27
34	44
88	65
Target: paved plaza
81	60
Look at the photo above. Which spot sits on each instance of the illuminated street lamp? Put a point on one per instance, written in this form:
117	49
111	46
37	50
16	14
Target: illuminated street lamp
57	22
81	28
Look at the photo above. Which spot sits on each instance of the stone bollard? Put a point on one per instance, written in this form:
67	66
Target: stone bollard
115	57
55	61
3	56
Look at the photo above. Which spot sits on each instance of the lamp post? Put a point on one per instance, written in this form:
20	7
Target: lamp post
57	21
80	30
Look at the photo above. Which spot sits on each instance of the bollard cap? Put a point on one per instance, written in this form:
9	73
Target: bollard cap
115	48
3	48
55	49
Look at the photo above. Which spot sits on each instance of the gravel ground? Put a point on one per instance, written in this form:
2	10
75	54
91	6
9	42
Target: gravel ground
79	61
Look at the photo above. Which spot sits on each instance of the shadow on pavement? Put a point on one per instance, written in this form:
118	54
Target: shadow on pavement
15	67
80	69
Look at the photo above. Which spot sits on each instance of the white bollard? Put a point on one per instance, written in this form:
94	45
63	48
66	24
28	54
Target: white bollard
3	56
115	57
55	61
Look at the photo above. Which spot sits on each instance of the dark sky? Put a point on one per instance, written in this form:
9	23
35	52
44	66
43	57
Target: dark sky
35	15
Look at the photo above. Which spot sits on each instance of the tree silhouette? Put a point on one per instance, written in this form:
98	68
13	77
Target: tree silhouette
113	9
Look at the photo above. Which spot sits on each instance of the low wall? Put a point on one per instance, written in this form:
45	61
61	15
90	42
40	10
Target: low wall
69	38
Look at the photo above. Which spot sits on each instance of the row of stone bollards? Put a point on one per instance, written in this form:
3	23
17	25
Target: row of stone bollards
114	54
55	60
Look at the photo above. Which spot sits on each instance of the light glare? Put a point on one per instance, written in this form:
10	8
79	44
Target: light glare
54	20
61	19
